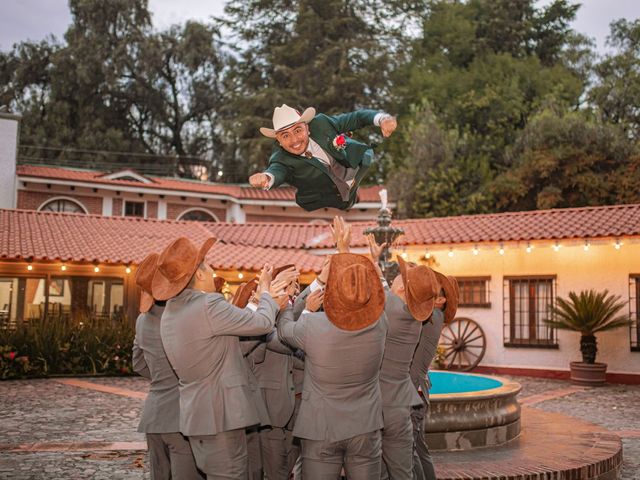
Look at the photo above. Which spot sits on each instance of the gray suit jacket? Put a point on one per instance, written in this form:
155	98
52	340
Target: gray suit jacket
402	337
426	350
200	335
275	377
254	350
341	394
161	412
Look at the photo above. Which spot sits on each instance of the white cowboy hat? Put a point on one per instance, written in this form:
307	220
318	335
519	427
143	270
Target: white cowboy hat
284	117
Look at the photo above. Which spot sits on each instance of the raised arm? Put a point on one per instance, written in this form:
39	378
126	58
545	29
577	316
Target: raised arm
226	319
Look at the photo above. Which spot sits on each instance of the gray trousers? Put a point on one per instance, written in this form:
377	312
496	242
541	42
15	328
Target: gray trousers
360	456
397	443
422	462
222	456
255	466
279	452
170	457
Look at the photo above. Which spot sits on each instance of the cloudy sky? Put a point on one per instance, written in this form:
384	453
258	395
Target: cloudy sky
35	19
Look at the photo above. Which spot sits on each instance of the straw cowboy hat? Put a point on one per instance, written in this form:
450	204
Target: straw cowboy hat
243	293
452	293
284	117
420	288
144	277
353	297
176	265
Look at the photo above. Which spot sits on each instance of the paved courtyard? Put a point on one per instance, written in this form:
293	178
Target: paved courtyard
85	428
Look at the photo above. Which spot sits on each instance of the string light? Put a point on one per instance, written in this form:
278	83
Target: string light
618	244
501	251
240	276
128	269
475	250
96	269
427	254
556	247
63	267
450	253
529	247
404	255
29	267
586	245
215	274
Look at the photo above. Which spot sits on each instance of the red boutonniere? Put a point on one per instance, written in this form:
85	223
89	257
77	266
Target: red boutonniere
340	142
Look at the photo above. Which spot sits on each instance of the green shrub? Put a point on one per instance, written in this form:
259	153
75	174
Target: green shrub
82	345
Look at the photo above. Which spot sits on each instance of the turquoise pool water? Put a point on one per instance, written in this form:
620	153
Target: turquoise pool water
449	382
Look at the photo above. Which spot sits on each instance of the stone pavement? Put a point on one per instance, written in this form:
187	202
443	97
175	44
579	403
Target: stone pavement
85	428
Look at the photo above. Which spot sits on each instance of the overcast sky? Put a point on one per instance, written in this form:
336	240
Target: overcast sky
35	19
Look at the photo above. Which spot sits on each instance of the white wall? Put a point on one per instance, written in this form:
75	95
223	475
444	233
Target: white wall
601	267
8	150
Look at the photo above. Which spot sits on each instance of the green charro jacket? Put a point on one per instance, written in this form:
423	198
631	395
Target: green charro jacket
315	187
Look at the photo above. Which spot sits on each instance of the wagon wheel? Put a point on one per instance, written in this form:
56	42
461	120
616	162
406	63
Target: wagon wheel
464	344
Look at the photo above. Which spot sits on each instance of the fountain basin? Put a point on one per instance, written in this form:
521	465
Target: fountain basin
469	411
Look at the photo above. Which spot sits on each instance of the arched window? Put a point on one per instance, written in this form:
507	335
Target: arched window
62	205
198	215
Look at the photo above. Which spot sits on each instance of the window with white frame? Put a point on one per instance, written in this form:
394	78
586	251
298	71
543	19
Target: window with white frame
62	205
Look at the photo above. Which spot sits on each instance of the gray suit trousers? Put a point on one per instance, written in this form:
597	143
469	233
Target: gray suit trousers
222	456
360	456
170	457
397	443
422	462
255	455
279	452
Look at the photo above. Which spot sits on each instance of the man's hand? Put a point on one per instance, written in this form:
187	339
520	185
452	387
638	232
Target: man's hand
314	300
439	302
259	180
324	273
374	249
264	282
278	288
341	234
388	126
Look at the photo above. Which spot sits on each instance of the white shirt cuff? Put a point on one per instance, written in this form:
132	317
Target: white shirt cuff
271	181
379	117
252	307
315	285
305	311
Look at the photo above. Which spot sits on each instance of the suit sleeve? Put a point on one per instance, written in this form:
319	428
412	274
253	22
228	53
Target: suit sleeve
347	122
292	332
227	319
139	363
273	341
278	171
299	304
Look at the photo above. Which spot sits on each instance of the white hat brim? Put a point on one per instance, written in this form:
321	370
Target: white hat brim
306	117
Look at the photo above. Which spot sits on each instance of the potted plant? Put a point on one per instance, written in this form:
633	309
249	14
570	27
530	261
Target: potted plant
588	312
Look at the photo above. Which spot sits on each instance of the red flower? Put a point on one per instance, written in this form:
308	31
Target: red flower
12	355
340	142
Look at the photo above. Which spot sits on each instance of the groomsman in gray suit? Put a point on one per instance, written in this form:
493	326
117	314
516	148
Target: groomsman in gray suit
409	303
341	409
170	454
200	332
425	352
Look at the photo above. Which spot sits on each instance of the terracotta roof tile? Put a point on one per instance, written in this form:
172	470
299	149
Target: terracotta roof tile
89	238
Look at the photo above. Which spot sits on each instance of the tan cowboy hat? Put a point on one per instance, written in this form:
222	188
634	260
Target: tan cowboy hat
284	117
176	265
449	285
243	293
420	288
353	297
144	277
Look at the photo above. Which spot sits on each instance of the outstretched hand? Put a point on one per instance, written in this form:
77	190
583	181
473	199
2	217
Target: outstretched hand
374	248
388	125
259	180
341	231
